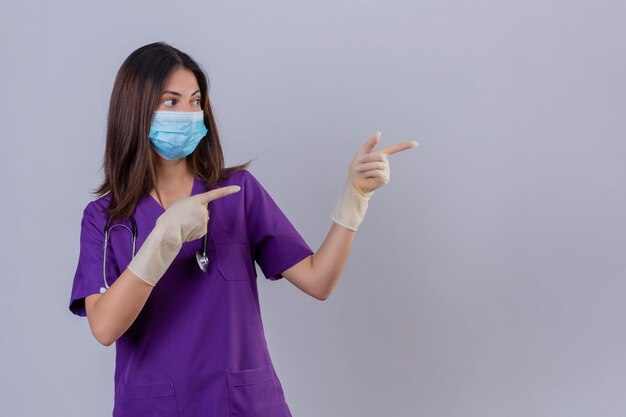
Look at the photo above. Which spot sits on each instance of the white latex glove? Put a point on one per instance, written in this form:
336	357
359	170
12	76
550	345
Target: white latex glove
185	220
368	171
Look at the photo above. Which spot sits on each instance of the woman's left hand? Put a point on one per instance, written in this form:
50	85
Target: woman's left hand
369	169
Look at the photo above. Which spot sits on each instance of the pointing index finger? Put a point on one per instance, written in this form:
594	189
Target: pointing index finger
391	149
216	193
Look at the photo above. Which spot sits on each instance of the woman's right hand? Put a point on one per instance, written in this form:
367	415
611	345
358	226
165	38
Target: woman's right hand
187	218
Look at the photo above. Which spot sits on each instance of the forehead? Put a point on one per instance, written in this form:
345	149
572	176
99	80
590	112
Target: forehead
182	80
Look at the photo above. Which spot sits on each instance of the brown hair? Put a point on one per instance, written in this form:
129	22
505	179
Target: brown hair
129	160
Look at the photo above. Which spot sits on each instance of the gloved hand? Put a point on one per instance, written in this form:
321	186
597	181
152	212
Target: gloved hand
367	172
185	220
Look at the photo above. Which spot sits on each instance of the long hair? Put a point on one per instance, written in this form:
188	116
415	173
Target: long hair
129	159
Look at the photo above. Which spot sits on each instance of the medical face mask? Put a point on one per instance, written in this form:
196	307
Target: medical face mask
175	134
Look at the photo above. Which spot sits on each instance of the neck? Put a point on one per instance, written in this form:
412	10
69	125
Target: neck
172	175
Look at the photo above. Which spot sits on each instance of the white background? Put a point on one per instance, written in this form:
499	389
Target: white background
487	279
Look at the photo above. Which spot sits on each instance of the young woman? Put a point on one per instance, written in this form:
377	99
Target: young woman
167	250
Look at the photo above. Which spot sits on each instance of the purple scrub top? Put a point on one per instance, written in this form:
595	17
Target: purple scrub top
197	348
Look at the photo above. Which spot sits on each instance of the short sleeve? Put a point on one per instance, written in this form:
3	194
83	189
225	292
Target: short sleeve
88	278
276	243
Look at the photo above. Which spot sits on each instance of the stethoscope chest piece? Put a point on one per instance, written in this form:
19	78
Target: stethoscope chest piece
203	261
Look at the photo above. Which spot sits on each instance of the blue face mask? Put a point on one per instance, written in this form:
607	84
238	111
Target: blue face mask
175	134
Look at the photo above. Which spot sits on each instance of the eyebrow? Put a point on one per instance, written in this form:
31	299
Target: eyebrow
178	94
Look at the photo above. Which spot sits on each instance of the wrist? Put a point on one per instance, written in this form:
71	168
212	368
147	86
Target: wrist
156	254
350	209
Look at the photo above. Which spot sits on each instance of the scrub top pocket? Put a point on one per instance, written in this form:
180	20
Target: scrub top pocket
155	400
232	253
253	393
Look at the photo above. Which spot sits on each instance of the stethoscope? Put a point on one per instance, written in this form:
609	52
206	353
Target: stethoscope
201	258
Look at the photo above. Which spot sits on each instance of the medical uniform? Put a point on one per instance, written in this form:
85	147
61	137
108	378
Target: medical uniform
197	348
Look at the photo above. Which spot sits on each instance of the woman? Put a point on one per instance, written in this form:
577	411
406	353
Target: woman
193	345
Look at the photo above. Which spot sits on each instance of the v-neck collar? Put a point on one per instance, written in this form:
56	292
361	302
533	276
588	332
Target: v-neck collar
197	188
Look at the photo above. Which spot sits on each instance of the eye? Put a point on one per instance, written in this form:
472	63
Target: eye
198	100
169	99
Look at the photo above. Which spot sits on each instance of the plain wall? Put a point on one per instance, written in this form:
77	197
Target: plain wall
487	279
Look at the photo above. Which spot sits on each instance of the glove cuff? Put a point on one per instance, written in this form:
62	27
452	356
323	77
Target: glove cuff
350	209
156	254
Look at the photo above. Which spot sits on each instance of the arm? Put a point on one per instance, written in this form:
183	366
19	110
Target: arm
112	313
317	275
